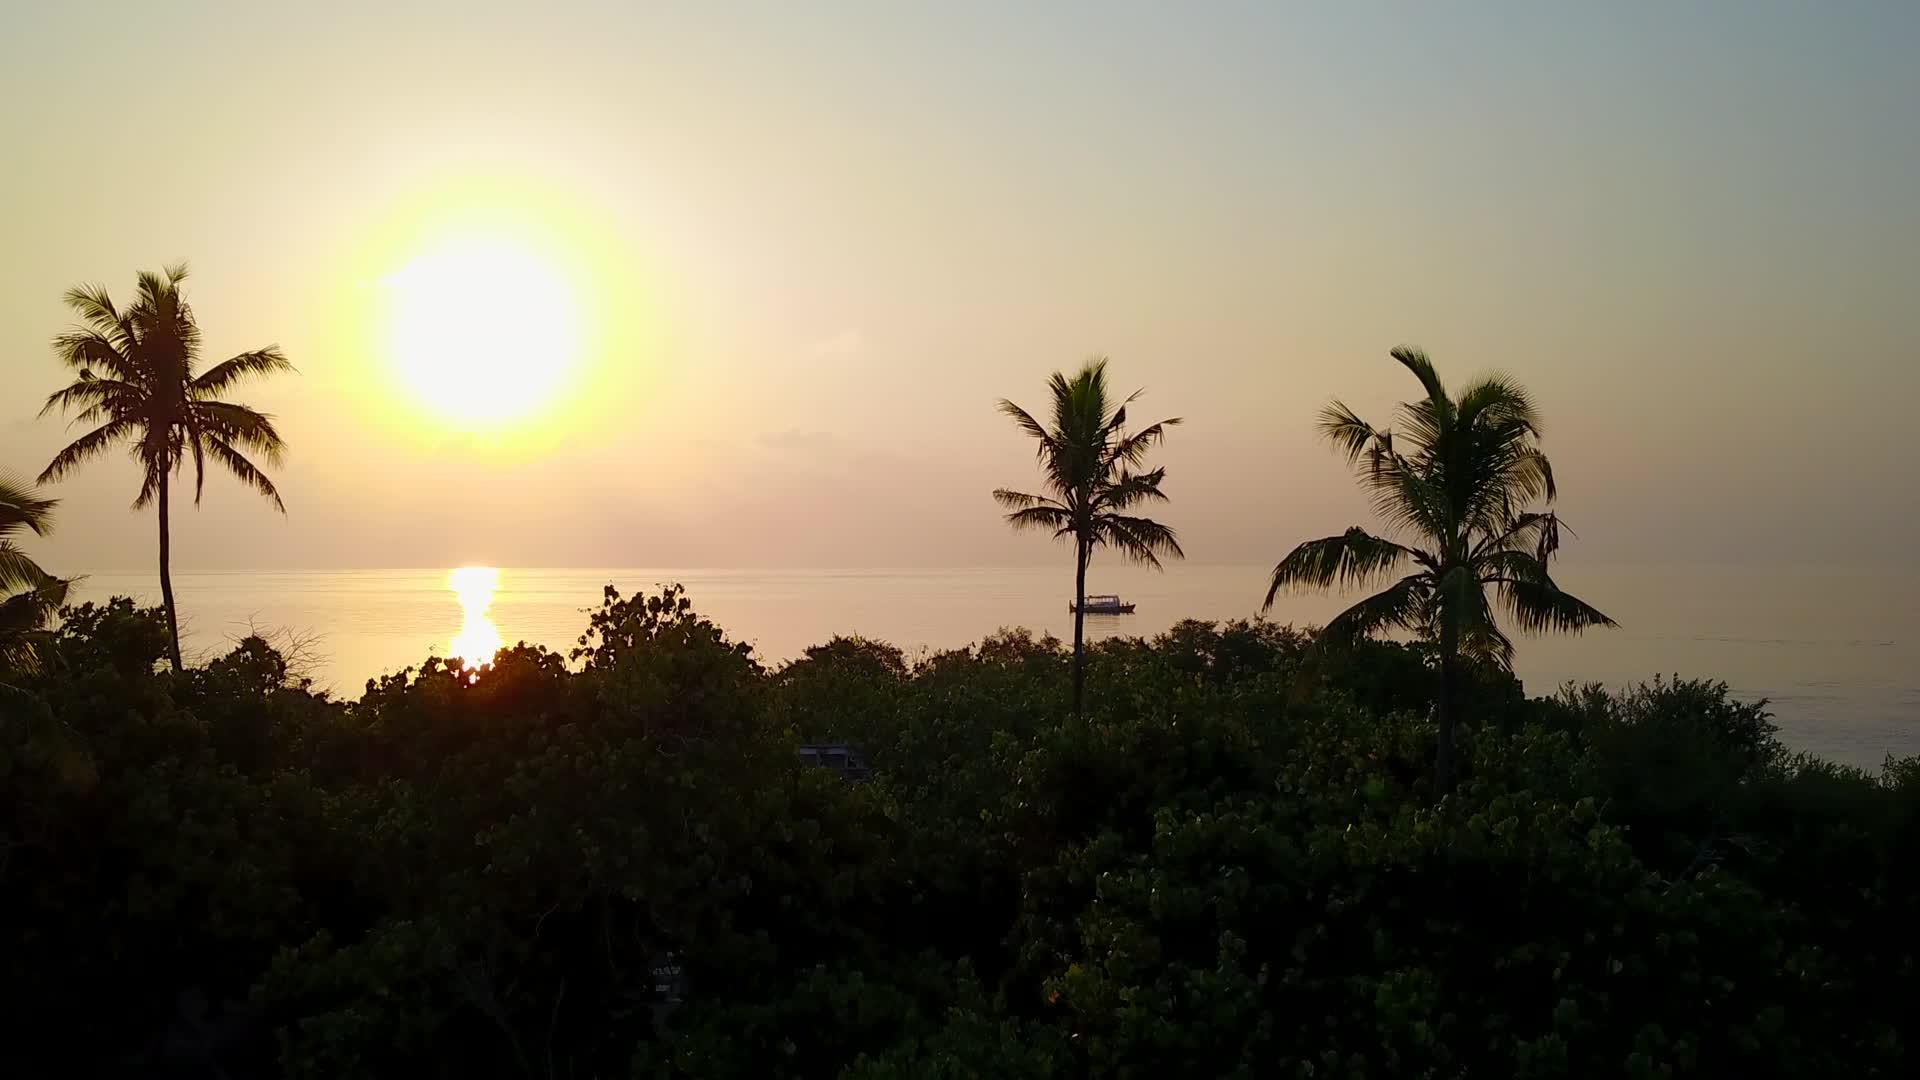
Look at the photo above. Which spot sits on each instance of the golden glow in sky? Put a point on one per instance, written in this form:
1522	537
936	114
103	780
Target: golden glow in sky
478	638
481	329
482	320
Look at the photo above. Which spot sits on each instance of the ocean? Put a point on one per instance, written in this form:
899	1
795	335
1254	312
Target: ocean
1836	651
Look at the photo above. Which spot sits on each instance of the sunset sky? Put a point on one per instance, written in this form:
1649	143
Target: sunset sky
770	266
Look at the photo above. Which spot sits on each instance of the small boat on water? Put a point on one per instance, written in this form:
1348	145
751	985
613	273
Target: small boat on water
1105	605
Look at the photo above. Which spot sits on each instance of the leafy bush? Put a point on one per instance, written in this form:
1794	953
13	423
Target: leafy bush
1232	864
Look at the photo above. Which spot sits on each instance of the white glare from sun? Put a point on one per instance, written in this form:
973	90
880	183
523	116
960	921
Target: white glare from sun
482	330
478	639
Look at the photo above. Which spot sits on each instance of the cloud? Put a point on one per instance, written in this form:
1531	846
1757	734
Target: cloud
845	343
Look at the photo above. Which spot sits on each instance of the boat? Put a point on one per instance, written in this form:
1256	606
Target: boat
1105	605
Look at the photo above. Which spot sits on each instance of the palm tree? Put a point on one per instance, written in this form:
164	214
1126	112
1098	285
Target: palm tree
138	380
28	594
1089	463
1457	481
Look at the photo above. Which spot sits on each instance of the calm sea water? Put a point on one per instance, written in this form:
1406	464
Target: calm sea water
1836	650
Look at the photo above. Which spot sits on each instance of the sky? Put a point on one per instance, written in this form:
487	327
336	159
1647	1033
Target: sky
800	251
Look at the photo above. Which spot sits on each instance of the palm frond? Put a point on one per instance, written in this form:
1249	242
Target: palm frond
1527	475
1496	400
21	507
1416	361
1397	607
1131	450
1045	518
151	475
1511	563
1461	599
90	398
1118	418
1424	424
1545	539
1488	645
1018	500
18	570
24	643
1129	489
267	361
1034	511
1080	414
237	464
1538	533
1409	497
94	304
1349	434
1541	606
1354	557
87	351
86	447
169	338
156	289
23	612
158	455
1139	539
1494	470
196	439
238	424
1025	421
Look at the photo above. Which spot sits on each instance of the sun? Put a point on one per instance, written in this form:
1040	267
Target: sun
481	329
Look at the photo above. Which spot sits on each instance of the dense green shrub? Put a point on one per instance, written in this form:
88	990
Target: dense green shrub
614	864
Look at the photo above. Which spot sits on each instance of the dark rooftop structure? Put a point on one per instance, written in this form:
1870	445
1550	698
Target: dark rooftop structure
839	757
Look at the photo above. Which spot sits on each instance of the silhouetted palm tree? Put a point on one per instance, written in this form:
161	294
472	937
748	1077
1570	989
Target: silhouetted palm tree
28	594
138	381
1088	461
1457	480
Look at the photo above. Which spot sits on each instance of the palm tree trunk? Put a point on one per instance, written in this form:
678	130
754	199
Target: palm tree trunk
166	581
1079	623
1443	707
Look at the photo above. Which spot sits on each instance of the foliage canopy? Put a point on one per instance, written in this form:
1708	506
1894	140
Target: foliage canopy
1231	864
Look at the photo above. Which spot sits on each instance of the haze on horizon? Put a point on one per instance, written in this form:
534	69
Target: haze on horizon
805	248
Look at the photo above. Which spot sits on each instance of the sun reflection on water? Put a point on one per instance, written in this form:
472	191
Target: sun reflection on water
478	638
